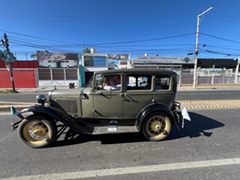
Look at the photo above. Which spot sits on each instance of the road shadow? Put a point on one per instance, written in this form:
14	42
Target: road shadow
198	126
193	129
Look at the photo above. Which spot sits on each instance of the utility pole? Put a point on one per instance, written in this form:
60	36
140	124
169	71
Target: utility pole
6	42
9	58
236	72
196	49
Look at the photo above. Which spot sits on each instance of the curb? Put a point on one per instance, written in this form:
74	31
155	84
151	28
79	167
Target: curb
7	108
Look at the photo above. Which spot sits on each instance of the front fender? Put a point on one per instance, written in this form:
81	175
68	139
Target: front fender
59	115
155	108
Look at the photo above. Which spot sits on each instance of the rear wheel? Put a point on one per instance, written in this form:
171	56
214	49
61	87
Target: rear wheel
156	126
37	131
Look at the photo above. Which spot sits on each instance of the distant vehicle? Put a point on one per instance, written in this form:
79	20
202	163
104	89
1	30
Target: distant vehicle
47	63
68	63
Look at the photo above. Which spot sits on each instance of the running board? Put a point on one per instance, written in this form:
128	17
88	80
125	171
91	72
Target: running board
114	129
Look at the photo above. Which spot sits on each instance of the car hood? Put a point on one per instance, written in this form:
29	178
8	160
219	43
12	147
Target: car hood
69	92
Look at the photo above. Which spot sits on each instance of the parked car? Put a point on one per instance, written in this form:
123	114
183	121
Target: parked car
122	107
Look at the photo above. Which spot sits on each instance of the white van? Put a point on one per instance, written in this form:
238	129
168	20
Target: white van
47	63
68	63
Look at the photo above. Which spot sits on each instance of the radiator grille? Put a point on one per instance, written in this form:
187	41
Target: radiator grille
68	105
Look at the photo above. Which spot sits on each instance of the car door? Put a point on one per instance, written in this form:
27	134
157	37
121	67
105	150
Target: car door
138	94
108	100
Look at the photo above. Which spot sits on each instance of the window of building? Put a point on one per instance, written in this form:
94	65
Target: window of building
95	61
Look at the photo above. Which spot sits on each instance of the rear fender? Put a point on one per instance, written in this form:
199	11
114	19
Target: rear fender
155	108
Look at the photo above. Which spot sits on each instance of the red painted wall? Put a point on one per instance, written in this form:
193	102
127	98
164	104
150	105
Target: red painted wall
21	64
22	79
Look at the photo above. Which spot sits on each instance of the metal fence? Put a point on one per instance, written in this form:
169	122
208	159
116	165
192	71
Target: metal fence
58	74
58	77
187	78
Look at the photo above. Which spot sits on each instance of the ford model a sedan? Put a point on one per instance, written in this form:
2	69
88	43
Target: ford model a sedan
113	101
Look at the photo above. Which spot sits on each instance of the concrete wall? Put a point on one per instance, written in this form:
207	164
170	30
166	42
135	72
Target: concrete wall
57	83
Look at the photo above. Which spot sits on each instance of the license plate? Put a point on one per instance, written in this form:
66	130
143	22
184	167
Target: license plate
112	128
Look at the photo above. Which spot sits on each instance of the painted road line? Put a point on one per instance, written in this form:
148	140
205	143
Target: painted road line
213	106
210	104
204	101
132	170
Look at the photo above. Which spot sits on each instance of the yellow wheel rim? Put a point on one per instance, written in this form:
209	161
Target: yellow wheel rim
156	125
36	132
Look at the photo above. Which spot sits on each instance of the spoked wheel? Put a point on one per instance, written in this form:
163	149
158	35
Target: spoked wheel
156	127
37	132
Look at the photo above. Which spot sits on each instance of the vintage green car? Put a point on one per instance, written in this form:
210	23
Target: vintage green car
113	101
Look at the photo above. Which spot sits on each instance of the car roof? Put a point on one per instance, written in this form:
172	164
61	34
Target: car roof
139	70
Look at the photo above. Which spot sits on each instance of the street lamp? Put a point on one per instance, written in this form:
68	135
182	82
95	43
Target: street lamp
196	49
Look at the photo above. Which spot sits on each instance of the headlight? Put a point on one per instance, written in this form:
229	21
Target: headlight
41	99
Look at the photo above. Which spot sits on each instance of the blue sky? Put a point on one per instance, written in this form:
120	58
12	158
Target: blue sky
136	27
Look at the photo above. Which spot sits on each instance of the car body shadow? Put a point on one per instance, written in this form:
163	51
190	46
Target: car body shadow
193	129
198	126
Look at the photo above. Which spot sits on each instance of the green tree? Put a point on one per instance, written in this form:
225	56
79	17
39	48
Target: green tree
88	60
86	50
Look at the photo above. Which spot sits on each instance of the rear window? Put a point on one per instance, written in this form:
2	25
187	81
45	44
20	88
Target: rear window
162	82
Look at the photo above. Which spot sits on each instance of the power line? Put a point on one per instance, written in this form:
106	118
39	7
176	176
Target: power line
220	38
107	43
35	37
144	40
112	45
39	46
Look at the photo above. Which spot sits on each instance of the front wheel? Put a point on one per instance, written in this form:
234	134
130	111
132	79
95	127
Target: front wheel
37	131
156	126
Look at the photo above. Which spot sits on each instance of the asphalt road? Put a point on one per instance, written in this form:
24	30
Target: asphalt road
181	95
208	95
207	148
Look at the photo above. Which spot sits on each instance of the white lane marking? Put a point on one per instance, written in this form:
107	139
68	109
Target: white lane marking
131	170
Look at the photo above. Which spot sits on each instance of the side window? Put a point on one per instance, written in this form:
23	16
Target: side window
108	82
162	82
138	82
